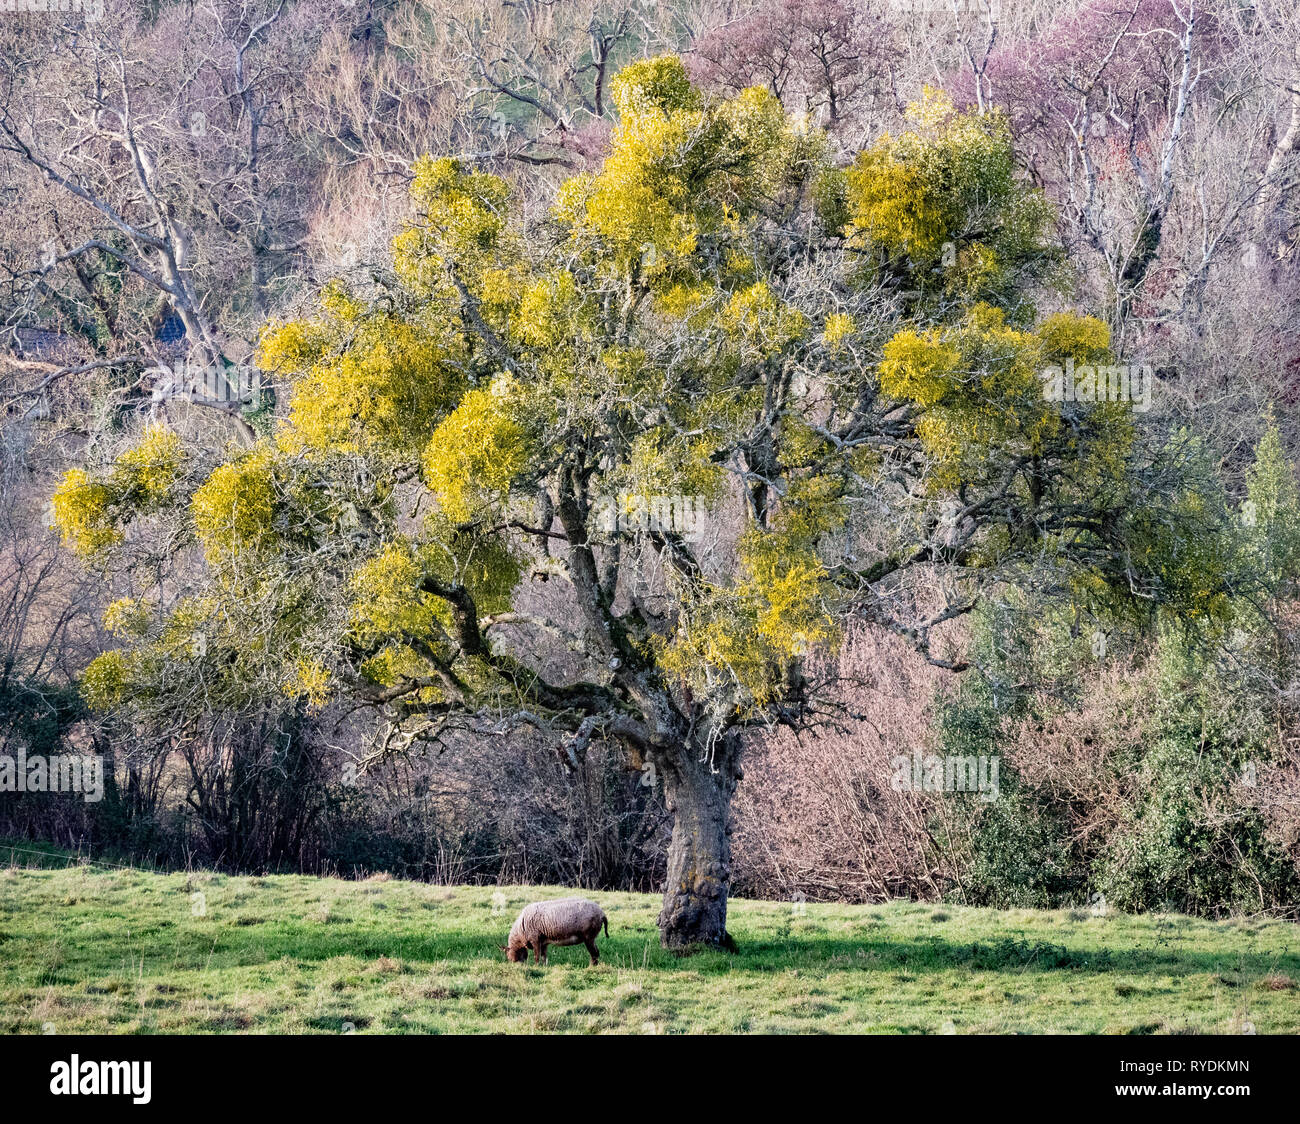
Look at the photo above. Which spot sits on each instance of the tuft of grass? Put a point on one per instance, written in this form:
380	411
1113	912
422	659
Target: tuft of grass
94	950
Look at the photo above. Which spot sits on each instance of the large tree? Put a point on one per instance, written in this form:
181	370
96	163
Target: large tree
482	508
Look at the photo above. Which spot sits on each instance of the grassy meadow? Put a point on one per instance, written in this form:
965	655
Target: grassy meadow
93	949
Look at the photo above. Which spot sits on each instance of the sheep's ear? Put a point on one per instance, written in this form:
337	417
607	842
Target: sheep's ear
504	947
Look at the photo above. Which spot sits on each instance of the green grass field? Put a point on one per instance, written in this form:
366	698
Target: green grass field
87	949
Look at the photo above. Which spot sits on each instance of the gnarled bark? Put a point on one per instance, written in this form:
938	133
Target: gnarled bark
698	787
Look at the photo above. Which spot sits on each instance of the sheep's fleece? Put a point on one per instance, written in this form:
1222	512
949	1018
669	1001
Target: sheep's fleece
563	921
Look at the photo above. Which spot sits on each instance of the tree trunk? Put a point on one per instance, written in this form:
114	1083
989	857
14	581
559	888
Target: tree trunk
698	794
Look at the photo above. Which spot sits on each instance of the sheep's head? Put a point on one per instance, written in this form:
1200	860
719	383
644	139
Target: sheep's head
516	954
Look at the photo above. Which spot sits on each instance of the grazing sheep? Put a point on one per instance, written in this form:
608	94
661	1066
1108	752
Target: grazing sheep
560	922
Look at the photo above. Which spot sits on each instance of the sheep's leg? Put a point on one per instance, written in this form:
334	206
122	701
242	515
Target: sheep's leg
539	953
591	947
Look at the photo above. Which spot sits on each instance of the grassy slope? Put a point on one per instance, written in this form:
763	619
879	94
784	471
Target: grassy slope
89	949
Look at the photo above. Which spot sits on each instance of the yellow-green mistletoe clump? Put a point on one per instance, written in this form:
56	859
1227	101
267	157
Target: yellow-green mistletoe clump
91	510
474	455
979	387
233	508
309	680
460	244
941	203
680	169
396	615
784	603
363	380
127	617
